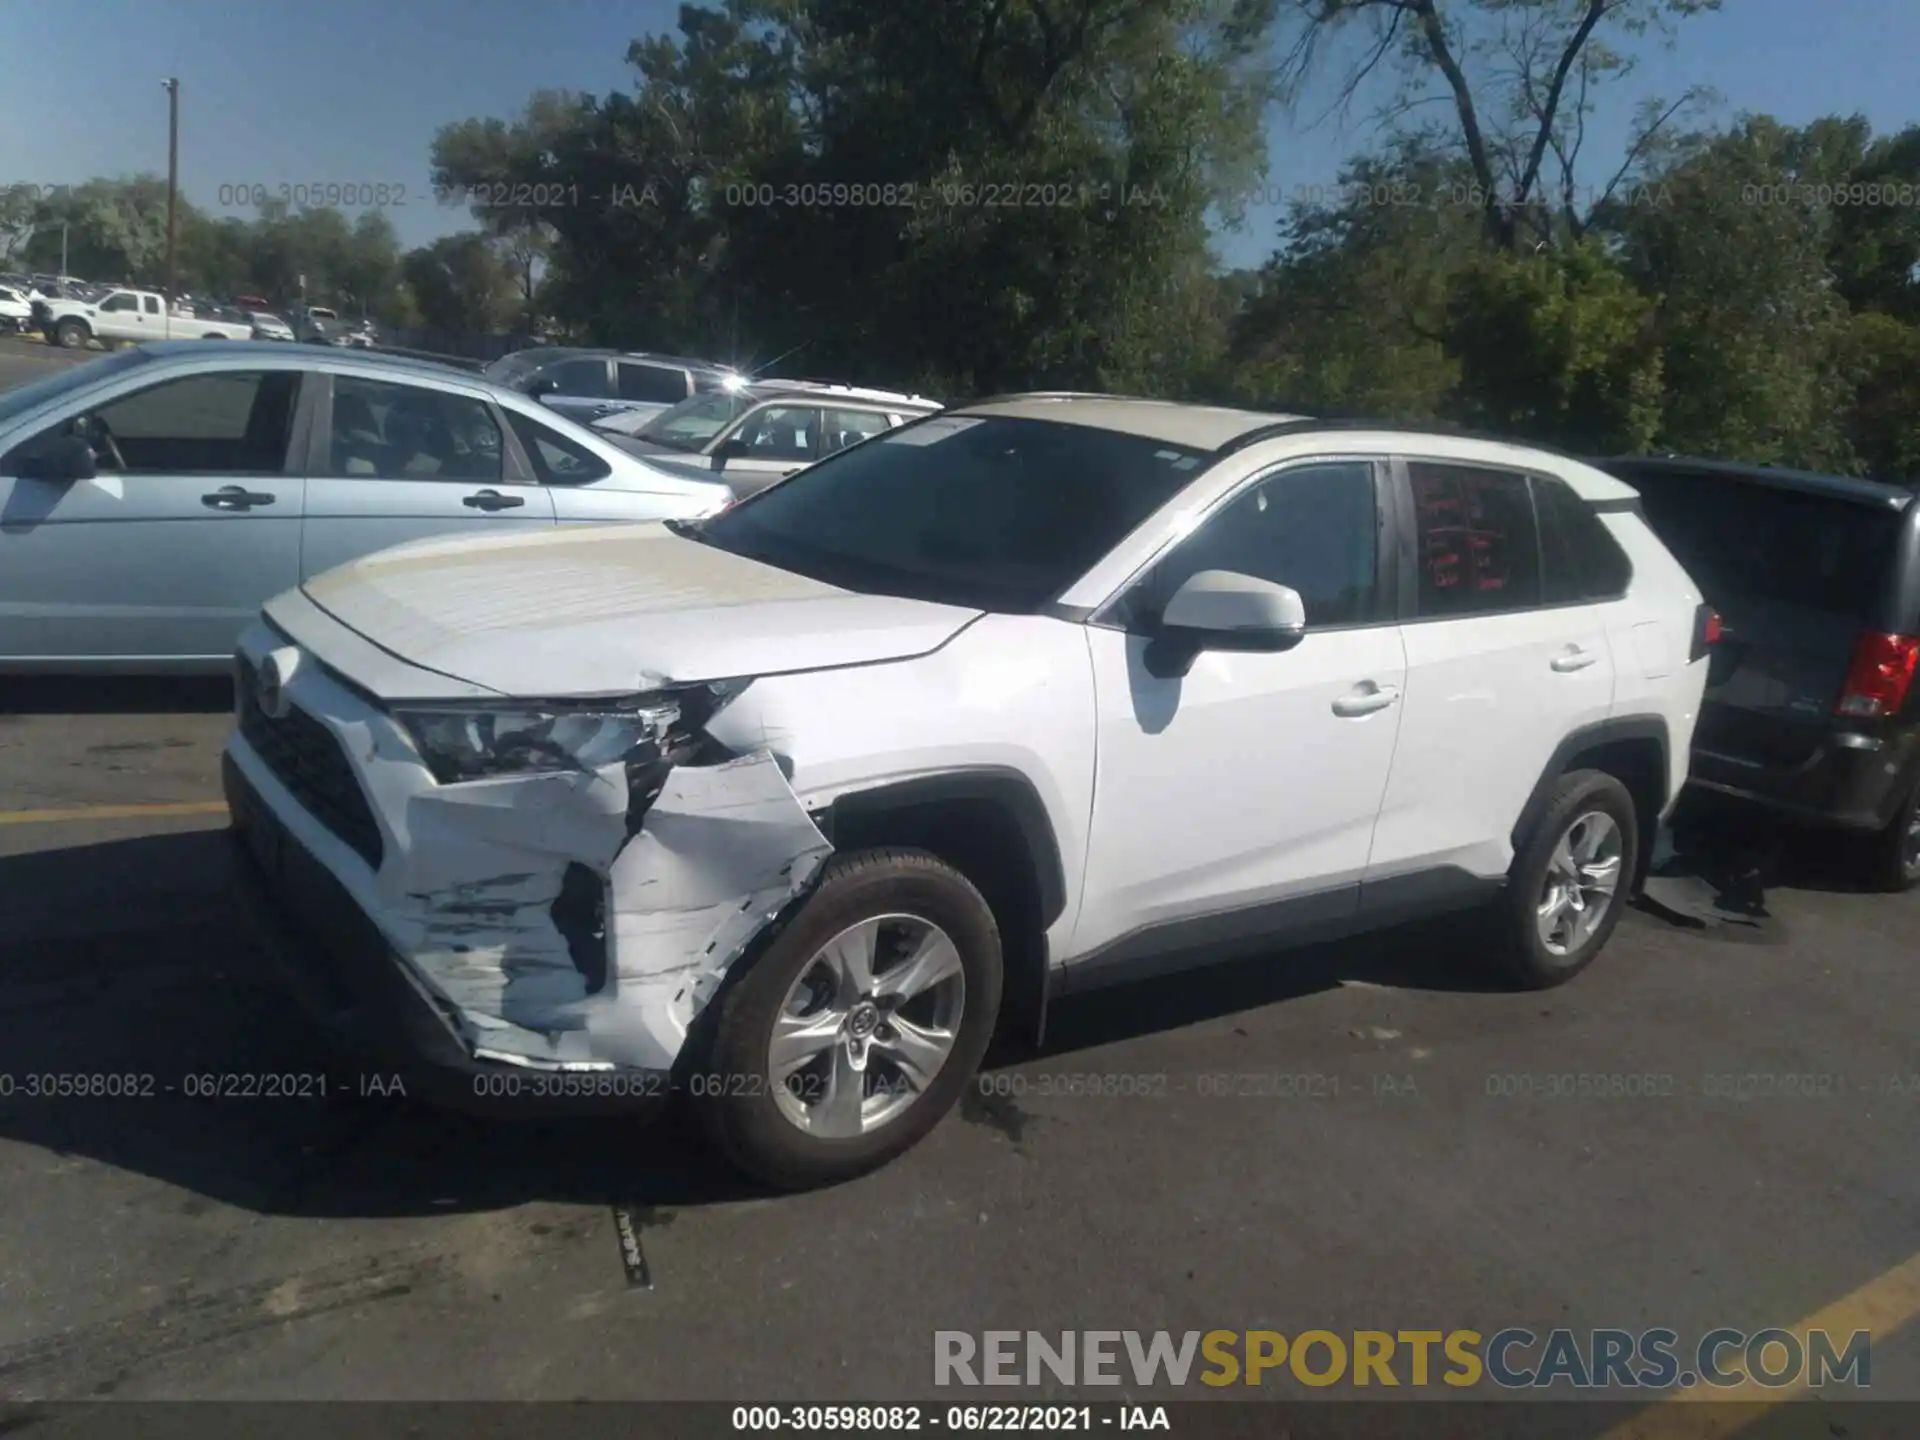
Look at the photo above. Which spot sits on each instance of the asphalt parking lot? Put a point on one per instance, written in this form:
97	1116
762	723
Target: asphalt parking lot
1366	1136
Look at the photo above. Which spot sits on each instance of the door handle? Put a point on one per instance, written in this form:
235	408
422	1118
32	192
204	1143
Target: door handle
1365	700
492	500
1574	659
235	497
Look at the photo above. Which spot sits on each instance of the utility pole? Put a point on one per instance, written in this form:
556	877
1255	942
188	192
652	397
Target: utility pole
172	87
63	249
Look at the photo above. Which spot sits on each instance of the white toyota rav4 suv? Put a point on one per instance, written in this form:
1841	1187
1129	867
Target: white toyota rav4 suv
784	810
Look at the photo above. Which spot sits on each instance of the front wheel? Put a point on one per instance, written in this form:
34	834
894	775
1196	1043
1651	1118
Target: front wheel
858	1027
73	334
1569	881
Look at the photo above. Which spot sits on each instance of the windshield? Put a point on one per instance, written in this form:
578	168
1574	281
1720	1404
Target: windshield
692	423
21	399
988	512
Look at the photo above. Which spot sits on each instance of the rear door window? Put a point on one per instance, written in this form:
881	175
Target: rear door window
1478	549
781	432
850	427
584	379
387	431
652	384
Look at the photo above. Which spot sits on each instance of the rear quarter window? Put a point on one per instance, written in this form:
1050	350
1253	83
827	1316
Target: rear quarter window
1740	537
1580	560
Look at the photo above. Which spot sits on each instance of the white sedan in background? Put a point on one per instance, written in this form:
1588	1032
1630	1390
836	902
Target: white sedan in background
155	498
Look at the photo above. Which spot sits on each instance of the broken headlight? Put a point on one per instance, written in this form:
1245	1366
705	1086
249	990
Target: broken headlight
472	741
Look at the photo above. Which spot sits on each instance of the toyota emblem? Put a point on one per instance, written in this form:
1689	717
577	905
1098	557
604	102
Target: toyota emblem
270	685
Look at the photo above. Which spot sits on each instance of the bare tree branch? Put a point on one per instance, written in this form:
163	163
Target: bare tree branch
1638	148
1433	29
1569	55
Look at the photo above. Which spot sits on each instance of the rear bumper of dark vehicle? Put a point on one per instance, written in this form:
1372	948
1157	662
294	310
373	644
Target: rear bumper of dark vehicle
341	971
1857	782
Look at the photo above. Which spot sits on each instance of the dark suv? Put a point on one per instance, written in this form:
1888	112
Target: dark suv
1811	709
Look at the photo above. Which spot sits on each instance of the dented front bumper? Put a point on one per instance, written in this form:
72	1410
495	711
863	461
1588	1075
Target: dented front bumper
525	935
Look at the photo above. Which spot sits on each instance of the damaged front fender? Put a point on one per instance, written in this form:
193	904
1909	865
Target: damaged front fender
718	853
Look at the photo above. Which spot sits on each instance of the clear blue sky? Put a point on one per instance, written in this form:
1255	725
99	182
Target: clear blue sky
351	91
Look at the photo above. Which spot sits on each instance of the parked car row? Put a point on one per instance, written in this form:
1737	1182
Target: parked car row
758	432
125	316
806	796
151	500
589	385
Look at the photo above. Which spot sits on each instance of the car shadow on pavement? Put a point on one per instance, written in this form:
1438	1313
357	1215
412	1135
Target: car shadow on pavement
130	959
220	1087
116	695
1447	953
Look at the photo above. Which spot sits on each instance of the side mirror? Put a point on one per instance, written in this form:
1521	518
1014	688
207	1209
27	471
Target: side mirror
1225	610
63	460
733	449
542	386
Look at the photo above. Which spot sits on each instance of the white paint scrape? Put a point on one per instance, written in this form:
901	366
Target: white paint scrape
723	849
720	852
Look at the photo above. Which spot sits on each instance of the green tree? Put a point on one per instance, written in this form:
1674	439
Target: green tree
459	285
1352	312
1883	423
820	181
1753	334
19	214
116	230
1556	346
487	165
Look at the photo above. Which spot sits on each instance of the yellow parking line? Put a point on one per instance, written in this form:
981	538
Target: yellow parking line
1881	1306
112	812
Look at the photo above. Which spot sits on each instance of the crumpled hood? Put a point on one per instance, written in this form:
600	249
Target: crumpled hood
614	609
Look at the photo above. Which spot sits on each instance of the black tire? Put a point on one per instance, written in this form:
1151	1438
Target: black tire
741	1114
1522	952
73	334
1896	850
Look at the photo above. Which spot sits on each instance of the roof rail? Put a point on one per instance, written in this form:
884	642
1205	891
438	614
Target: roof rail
1067	395
1355	422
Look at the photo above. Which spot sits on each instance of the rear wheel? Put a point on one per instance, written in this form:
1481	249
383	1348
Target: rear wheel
1569	880
1896	862
860	1025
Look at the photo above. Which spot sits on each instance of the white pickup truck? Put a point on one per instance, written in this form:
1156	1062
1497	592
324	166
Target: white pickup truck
127	316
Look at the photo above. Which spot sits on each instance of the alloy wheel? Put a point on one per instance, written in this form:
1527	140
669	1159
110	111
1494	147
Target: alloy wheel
869	1022
1582	882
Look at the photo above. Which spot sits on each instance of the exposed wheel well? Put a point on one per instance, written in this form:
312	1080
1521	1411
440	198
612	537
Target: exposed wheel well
1640	764
987	832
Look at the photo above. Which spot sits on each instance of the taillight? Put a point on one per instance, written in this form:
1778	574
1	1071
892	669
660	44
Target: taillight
1707	631
1881	674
